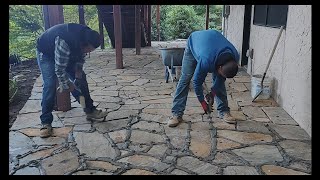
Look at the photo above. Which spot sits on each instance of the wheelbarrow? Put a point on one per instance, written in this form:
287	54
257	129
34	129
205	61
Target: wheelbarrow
172	59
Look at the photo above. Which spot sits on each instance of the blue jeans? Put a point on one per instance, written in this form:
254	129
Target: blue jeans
47	68
189	64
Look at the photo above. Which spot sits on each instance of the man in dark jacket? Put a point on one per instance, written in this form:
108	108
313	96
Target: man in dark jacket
60	55
207	51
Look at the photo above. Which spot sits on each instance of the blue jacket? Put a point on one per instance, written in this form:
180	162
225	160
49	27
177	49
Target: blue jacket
206	46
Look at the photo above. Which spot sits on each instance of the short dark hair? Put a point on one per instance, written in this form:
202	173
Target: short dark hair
230	69
92	37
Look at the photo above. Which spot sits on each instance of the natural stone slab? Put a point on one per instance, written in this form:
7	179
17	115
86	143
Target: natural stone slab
223	144
233	105
145	137
297	149
226	158
200	143
219	124
177	135
104	93
75	112
133	106
238	115
94	145
279	116
158	150
158	101
278	170
240	170
113	88
19	143
31	106
156	111
178	172
253	112
37	155
76	120
131	88
111	106
160	106
132	101
197	166
156	118
61	163
242	79
82	127
104	127
91	172
301	166
102	165
152	126
263	120
290	132
147	93
121	114
140	82
252	126
260	154
242	97
28	171
243	137
48	141
27	120
108	99
238	87
118	136
138	172
138	147
145	161
192	118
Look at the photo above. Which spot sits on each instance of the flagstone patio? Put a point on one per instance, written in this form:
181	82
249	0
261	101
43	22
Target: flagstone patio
134	139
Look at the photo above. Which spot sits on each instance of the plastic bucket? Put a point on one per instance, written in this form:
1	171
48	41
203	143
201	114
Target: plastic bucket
256	86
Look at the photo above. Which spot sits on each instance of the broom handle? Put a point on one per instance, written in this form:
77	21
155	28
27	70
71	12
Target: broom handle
274	49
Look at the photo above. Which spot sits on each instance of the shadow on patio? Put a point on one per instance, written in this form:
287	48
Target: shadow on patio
134	138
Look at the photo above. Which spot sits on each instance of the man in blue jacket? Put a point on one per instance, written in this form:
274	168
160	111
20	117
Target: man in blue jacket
207	51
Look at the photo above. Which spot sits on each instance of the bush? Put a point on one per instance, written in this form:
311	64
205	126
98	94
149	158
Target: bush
181	21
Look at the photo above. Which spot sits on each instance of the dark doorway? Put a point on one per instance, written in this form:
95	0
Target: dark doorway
246	34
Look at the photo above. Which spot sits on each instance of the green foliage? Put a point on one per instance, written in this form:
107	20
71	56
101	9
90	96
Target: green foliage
25	25
176	21
182	21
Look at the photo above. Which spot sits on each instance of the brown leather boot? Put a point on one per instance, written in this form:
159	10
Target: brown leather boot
174	121
45	131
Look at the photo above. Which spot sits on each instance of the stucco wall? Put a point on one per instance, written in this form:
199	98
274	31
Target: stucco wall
234	26
291	64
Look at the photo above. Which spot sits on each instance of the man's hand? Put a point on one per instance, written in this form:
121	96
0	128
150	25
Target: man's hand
205	106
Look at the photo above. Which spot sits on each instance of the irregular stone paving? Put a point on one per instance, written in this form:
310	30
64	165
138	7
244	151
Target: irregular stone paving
134	139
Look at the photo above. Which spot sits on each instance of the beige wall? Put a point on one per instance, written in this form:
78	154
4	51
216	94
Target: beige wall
291	64
234	27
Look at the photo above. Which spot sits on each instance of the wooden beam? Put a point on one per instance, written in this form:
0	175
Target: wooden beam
101	30
137	29
81	15
158	21
207	16
53	14
149	25
118	35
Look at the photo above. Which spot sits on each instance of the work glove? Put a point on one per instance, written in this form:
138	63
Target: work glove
205	106
210	97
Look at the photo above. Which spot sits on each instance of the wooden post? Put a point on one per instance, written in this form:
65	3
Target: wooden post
53	14
101	30
158	21
81	14
137	29
207	16
118	35
149	25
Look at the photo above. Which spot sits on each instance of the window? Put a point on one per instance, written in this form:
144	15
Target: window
270	15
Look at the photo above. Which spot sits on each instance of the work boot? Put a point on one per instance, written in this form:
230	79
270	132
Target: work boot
174	121
45	130
228	118
96	114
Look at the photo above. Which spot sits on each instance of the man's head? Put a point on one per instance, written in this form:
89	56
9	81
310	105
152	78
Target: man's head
229	68
91	40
